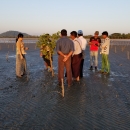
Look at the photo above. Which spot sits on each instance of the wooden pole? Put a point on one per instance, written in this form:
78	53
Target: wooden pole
35	47
115	49
62	86
13	47
27	75
51	64
7	57
0	48
128	55
123	48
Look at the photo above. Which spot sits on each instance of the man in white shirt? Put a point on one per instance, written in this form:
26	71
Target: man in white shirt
76	56
105	46
83	46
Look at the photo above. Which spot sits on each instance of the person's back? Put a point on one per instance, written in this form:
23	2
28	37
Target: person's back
64	44
83	45
84	42
65	48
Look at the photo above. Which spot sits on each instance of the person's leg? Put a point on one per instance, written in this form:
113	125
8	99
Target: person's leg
69	71
18	66
25	66
96	59
103	63
60	69
107	64
91	58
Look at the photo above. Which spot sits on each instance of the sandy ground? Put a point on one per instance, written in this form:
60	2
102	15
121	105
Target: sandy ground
97	102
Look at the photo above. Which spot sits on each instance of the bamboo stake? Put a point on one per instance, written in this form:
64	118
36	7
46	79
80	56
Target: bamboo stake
7	57
123	48
27	75
62	86
51	64
128	55
115	49
13	47
35	47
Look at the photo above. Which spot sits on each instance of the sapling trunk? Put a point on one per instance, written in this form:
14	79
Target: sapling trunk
50	57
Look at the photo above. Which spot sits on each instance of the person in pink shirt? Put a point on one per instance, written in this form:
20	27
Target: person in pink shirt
94	43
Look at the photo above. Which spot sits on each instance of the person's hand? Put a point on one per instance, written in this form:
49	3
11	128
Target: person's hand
90	43
65	58
40	54
21	57
26	48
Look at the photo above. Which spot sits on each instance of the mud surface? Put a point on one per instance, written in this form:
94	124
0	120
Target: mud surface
97	102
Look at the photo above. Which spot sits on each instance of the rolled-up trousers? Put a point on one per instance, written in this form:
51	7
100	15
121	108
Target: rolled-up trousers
64	65
105	63
94	58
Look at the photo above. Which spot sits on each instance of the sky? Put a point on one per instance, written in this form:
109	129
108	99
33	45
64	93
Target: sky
37	17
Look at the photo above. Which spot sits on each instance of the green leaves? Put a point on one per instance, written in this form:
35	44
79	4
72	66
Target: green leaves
47	42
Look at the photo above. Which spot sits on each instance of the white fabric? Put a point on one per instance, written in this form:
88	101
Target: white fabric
105	46
77	46
84	42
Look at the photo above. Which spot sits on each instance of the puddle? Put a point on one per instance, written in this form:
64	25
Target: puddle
119	75
13	56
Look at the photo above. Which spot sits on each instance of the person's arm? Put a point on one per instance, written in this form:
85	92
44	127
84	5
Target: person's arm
19	49
99	42
75	47
68	56
72	49
105	43
90	42
60	53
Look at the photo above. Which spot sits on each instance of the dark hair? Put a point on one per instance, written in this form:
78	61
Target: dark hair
74	33
105	33
20	35
80	35
63	32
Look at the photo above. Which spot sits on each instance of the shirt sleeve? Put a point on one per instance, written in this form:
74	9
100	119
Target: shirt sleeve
57	46
84	44
100	40
72	46
106	43
90	39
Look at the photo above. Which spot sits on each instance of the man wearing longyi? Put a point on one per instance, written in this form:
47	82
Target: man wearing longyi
65	49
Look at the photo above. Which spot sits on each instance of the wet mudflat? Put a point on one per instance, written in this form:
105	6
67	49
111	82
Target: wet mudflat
97	102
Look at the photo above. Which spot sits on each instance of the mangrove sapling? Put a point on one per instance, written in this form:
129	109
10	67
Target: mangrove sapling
47	44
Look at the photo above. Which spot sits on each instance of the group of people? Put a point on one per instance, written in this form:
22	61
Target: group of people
71	55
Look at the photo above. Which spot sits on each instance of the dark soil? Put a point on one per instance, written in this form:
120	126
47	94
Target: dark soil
97	102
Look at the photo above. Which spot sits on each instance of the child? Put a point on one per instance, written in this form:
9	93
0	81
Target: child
105	52
46	61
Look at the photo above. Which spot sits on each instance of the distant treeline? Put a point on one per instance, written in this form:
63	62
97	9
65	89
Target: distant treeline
15	37
114	36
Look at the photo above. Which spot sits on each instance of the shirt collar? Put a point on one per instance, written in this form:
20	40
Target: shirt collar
81	37
75	39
